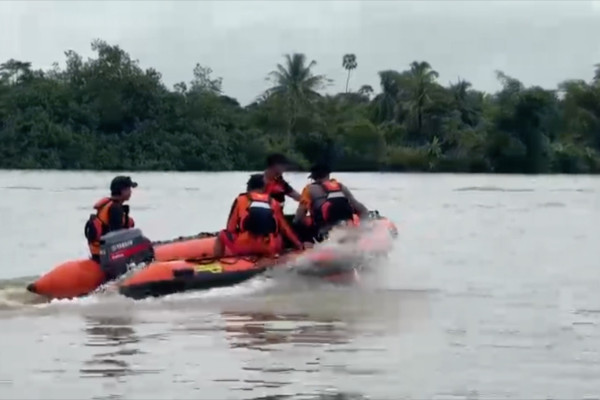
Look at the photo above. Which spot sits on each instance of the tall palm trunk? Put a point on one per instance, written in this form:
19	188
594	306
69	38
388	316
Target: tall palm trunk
348	80
291	118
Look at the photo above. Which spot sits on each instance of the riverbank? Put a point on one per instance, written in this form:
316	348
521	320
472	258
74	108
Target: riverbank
107	113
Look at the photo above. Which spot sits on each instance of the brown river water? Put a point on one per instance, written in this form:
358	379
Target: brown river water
491	292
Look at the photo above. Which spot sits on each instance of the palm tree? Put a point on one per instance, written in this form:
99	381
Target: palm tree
460	93
295	85
14	69
387	100
349	63
459	90
422	79
366	90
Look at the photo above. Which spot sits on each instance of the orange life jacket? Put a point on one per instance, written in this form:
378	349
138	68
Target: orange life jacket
335	208
98	224
257	215
276	189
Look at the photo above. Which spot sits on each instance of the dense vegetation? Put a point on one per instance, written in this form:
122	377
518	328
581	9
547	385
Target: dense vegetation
108	113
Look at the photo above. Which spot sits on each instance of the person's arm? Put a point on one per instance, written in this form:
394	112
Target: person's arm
294	195
285	227
232	219
129	222
303	206
359	207
116	217
300	213
290	191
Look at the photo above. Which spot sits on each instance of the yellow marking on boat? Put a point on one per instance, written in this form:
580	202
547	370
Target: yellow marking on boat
215	268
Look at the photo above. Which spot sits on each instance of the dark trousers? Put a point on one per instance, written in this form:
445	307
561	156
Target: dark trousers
304	233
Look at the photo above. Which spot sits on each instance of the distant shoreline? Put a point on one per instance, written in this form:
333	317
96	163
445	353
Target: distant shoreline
108	114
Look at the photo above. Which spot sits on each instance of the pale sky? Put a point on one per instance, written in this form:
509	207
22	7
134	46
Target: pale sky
538	42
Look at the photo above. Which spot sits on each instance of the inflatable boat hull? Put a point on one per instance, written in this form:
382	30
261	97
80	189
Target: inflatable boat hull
169	272
167	277
70	279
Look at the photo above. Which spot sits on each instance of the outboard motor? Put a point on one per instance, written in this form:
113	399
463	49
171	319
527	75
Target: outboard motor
121	248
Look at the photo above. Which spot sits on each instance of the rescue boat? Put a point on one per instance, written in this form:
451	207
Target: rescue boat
188	263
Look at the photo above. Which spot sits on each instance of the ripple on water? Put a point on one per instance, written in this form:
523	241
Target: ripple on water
491	189
116	333
17	187
552	204
316	396
78	188
263	331
574	190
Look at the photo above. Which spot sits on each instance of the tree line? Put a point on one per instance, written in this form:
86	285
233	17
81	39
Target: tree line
108	113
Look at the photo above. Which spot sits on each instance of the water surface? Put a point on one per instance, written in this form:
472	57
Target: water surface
491	292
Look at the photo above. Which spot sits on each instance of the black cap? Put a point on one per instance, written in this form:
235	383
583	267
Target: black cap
121	182
277	159
318	171
256	181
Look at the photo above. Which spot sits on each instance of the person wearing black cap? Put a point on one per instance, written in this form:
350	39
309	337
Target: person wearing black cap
111	214
328	201
276	186
255	224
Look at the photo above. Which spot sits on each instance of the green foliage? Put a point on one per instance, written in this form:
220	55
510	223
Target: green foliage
108	113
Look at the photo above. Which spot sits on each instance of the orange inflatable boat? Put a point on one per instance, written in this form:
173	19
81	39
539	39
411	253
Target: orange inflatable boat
187	263
77	278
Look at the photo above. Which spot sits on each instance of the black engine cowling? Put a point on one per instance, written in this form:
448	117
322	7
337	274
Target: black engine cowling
121	248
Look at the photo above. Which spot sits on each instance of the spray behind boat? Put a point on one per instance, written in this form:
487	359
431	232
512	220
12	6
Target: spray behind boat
345	250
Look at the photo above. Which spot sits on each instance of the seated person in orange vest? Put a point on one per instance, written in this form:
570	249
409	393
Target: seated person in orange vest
255	224
275	185
111	214
328	201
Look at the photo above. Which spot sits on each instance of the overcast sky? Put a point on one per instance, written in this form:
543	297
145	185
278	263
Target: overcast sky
537	42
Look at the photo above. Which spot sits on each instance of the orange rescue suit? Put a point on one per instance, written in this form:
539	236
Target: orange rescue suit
255	225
